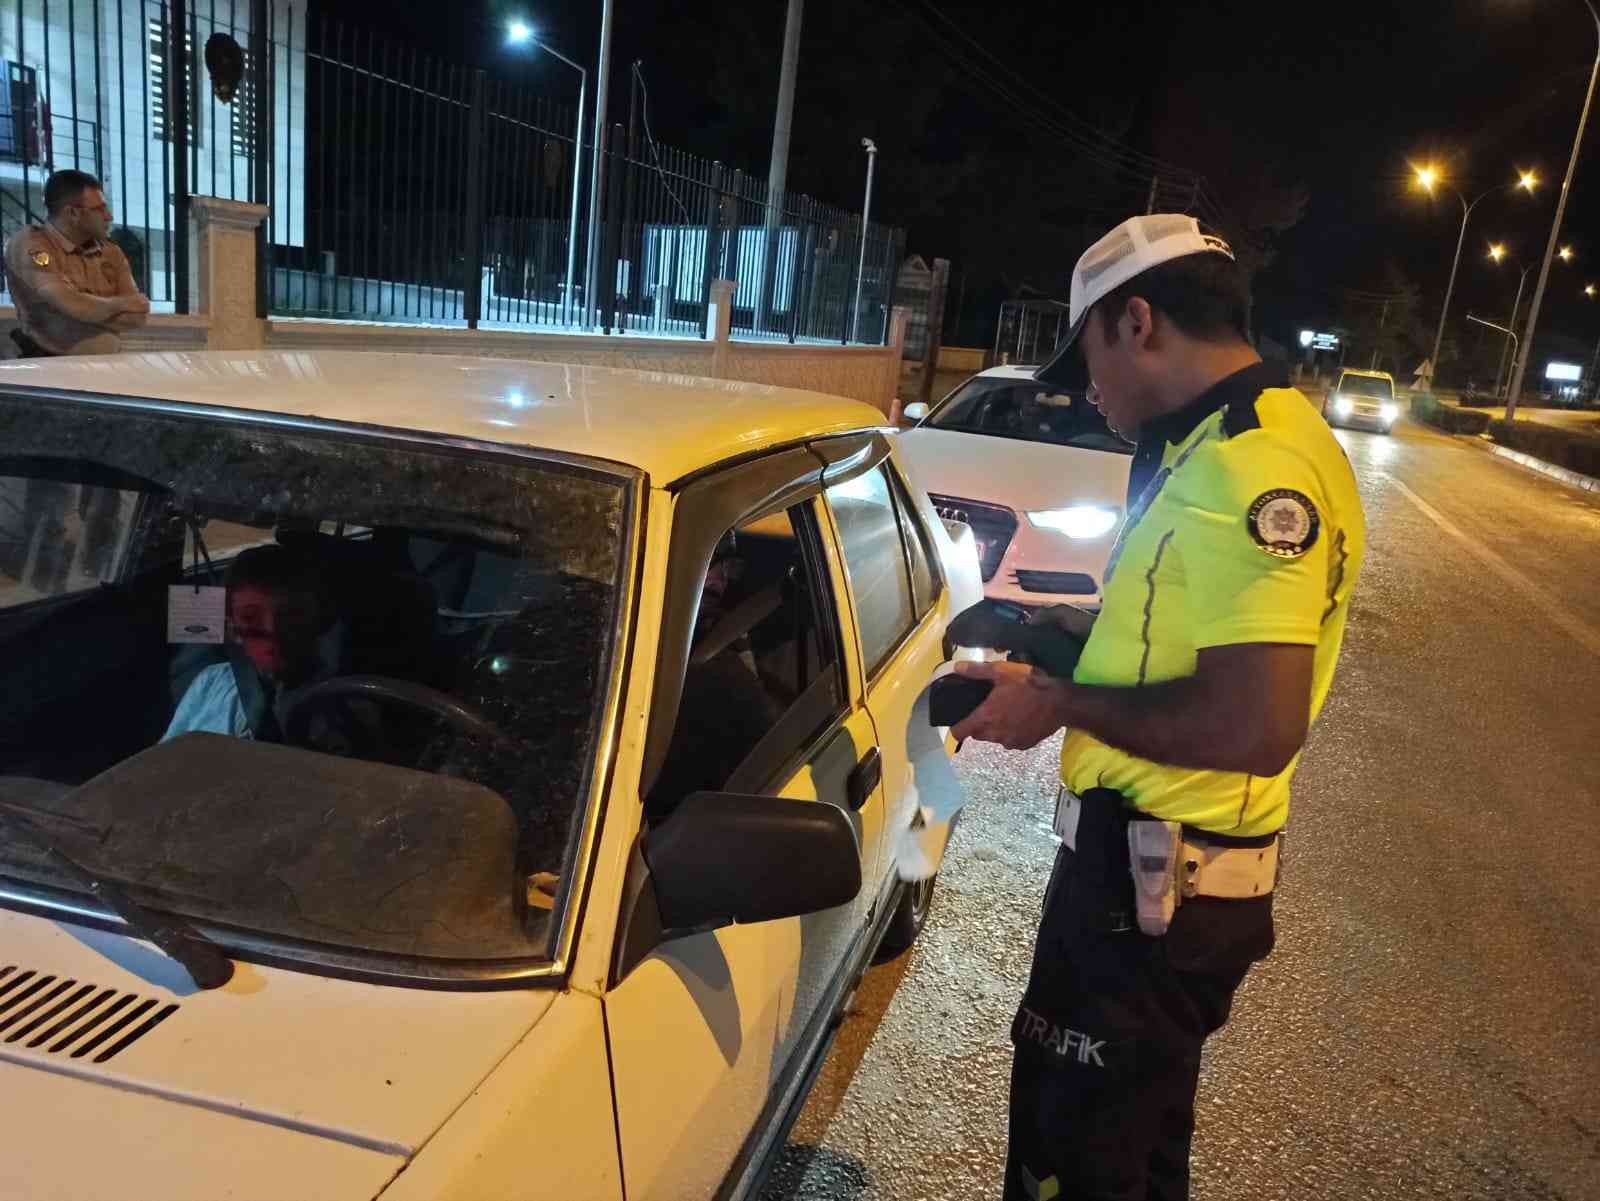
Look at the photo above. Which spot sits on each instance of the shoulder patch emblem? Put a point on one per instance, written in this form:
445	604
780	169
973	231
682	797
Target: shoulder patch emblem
41	258
1284	522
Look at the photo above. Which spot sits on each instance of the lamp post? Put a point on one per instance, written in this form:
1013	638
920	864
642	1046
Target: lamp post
519	33
1497	252
1526	346
1429	177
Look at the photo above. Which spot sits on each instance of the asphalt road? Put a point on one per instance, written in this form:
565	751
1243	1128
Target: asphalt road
1429	1025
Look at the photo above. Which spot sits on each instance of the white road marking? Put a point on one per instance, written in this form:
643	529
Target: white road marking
1585	634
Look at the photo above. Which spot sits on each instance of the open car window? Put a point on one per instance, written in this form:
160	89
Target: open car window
389	749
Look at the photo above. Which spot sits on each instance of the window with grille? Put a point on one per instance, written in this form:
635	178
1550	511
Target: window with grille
160	95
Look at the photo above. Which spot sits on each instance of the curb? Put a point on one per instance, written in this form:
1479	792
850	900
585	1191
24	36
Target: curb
1575	479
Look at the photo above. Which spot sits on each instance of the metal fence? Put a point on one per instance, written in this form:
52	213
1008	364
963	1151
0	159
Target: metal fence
401	188
87	86
438	195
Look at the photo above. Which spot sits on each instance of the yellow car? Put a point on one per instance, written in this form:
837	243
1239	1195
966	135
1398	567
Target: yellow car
1362	399
429	777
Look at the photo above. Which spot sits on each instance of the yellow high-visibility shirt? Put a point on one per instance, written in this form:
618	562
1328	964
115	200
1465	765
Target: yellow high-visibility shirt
1250	532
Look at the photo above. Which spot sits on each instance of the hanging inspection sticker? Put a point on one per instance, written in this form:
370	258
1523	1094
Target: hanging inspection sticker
195	614
1284	522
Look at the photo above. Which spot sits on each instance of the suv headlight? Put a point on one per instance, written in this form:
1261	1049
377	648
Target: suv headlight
1343	406
1389	413
1077	521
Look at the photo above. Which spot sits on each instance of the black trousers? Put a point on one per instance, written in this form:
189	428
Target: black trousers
1108	1037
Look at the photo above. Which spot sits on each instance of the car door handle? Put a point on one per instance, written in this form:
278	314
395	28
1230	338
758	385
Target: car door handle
864	778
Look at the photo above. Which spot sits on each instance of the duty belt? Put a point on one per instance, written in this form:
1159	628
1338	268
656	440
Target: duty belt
1207	864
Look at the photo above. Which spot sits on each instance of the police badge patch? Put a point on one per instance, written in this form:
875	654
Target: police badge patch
1284	522
41	258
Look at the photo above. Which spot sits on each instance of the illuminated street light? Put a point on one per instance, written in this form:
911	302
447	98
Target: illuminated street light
520	33
1428	177
1588	290
1497	252
1525	345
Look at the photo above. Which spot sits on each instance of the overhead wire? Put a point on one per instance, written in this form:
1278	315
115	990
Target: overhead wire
1100	149
1106	142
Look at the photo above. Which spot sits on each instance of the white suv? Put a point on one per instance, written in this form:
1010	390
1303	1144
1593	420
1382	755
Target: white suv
1362	398
1036	473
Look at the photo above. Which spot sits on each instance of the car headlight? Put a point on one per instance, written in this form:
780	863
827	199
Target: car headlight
1077	521
1389	413
1342	405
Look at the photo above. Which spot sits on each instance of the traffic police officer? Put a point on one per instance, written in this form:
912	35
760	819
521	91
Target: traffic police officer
1224	607
72	287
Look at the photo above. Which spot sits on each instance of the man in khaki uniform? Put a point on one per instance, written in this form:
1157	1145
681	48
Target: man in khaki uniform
72	287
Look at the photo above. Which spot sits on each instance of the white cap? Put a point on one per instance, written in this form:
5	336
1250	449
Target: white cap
1130	249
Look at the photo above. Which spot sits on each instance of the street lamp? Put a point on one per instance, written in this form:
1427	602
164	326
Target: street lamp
1497	252
1428	178
519	33
1526	346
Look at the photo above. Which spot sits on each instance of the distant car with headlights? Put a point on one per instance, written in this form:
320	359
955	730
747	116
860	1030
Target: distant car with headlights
1362	399
1035	472
555	866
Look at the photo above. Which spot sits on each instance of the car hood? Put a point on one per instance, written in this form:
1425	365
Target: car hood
279	1084
1013	472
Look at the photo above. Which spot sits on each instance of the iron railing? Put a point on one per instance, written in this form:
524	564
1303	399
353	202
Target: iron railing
436	194
403	188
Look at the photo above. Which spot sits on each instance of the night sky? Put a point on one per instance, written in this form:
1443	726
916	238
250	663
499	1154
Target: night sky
1012	134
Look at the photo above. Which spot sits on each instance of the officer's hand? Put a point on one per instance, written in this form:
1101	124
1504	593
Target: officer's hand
136	304
1025	707
1069	618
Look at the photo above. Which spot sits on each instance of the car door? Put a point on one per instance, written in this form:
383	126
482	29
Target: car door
894	586
709	1033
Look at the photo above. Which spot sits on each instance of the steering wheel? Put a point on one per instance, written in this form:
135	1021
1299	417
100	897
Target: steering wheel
337	693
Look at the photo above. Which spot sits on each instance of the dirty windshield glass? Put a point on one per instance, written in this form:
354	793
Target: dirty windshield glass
1027	410
321	689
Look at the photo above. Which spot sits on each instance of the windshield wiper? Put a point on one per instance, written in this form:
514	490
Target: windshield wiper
207	966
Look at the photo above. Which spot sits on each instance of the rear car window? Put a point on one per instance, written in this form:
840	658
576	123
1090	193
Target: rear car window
384	746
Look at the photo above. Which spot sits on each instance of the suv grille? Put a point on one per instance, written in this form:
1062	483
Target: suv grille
993	526
69	1017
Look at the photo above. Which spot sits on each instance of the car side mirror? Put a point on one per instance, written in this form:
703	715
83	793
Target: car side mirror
725	858
915	412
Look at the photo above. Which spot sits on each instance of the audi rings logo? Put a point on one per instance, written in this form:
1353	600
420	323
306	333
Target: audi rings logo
951	513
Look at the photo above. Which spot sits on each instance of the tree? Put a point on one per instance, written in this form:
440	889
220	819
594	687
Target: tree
1384	323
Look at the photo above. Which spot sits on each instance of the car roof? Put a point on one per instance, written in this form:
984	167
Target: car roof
1366	374
669	425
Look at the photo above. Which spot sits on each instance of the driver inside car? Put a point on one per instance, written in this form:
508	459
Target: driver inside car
278	614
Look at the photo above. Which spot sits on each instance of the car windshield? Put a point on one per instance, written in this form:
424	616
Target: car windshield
1025	409
329	691
1366	385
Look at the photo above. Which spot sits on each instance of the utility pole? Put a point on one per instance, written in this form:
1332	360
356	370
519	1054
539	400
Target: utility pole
591	275
938	294
1377	342
871	148
778	169
1150	205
